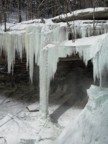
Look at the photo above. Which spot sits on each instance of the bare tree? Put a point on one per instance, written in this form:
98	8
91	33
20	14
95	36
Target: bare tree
5	14
0	11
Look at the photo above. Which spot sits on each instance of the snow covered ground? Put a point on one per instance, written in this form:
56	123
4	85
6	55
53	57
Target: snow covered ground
67	99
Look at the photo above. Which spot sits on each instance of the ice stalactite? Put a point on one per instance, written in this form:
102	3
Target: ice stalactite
9	49
88	52
33	38
19	43
10	43
29	50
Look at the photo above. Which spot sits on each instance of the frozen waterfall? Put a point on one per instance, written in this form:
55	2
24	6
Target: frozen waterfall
44	44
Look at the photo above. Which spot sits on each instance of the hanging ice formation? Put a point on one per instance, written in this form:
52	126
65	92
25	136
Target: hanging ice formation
35	37
97	51
32	39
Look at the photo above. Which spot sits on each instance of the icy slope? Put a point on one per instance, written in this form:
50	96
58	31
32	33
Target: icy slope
91	126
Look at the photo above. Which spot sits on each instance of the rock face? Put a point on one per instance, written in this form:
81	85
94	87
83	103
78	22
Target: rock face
91	126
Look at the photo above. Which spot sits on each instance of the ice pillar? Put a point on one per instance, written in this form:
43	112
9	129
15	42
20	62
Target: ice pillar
44	83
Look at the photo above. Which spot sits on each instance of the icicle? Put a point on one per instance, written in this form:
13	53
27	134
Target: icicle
37	39
33	45
19	44
29	46
10	50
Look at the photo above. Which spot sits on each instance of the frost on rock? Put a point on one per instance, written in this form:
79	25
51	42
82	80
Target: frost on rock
91	126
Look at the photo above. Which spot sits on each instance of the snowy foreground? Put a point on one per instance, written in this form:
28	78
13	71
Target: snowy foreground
86	126
67	99
91	126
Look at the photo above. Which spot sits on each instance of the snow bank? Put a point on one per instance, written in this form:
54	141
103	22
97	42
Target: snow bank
91	126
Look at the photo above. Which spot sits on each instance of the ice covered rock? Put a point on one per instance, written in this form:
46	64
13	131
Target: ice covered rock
91	126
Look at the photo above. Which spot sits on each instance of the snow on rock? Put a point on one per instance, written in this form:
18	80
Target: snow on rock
91	126
76	12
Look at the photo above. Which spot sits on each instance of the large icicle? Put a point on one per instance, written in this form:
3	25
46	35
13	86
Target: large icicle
10	49
33	46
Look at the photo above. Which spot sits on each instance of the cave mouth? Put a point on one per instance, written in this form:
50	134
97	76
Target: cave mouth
68	89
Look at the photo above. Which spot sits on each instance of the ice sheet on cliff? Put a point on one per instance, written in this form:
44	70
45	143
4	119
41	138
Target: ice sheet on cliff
91	126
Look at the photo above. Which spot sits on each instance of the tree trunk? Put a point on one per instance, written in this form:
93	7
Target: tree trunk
19	11
5	15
